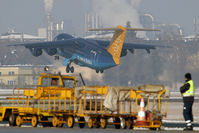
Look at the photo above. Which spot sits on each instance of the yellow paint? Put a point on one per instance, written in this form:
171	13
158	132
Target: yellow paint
66	94
132	94
116	45
29	92
102	90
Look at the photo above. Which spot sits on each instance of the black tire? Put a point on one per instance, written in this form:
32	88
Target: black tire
72	69
82	119
12	120
97	122
117	120
130	123
67	69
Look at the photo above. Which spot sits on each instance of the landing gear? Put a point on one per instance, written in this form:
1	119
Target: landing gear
101	71
70	69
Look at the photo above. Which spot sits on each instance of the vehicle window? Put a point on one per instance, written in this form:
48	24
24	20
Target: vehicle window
68	83
50	82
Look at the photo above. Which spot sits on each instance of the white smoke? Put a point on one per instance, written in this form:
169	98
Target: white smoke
118	12
48	6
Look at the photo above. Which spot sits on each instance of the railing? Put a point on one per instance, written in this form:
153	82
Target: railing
44	99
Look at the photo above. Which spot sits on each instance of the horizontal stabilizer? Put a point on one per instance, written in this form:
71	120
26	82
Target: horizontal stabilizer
128	29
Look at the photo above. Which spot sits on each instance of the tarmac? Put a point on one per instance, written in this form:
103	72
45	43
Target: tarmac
78	130
174	127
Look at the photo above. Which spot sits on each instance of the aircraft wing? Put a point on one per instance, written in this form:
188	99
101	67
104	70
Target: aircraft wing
132	46
69	43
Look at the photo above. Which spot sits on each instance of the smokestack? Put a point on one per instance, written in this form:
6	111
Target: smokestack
48	9
49	27
57	28
62	26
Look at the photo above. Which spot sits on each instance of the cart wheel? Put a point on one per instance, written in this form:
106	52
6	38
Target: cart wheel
123	123
55	121
34	121
117	121
19	121
12	119
81	122
97	122
103	123
90	122
70	121
129	124
60	124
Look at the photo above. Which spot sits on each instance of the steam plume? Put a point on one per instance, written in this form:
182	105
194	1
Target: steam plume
48	5
118	12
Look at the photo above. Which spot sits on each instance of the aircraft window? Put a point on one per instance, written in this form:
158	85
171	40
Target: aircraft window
68	83
50	82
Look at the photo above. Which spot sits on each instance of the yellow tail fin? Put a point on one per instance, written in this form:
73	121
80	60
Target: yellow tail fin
116	45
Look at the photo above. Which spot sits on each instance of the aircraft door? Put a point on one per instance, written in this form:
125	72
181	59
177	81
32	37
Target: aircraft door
94	56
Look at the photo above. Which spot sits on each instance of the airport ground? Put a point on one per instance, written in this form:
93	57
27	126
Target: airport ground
173	123
76	129
175	110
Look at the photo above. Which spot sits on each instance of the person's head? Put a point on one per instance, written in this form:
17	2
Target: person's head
187	76
54	81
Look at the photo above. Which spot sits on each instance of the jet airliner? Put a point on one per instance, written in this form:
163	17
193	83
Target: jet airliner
95	54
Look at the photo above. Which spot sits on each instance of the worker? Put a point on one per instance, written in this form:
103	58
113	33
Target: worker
54	82
187	91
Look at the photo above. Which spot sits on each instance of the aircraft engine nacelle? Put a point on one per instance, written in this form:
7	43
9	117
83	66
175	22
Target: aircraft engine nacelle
37	52
123	53
51	51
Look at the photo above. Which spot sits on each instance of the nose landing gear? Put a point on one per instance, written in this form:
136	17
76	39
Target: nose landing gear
70	69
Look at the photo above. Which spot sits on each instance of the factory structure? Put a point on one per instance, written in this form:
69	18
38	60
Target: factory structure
170	34
167	31
11	35
92	21
19	75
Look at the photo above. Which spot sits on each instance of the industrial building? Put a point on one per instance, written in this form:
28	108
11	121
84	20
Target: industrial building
21	37
19	76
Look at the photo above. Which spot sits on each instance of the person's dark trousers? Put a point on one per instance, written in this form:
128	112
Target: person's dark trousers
187	110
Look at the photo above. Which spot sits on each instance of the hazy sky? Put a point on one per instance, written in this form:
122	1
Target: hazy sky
28	15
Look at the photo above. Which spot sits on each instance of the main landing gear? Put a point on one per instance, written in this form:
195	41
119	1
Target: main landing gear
70	69
101	71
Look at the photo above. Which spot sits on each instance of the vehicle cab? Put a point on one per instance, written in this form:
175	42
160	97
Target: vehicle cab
55	84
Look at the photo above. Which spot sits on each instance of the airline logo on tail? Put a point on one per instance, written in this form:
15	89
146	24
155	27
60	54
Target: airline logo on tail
116	45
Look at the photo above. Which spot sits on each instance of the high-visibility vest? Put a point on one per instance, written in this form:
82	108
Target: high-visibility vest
190	91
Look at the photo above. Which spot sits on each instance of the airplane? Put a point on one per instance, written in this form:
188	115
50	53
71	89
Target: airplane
95	54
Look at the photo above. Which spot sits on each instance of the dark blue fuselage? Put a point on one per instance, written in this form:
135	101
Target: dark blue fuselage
88	54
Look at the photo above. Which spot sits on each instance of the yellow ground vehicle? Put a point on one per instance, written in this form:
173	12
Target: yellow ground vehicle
39	104
56	101
92	106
